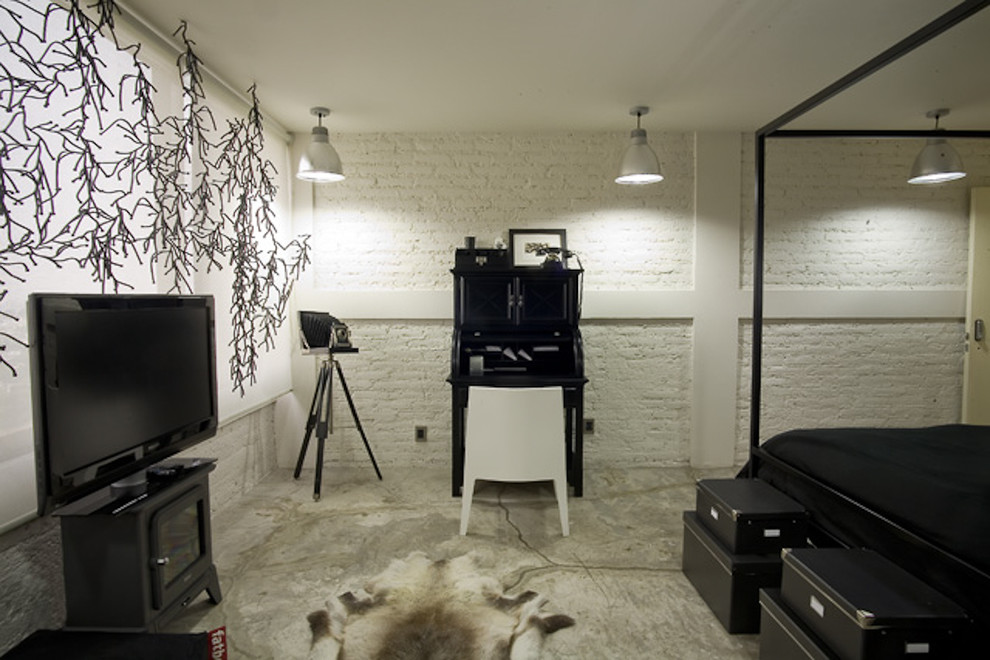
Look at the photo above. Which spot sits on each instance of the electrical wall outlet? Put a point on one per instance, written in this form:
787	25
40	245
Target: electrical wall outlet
420	434
589	426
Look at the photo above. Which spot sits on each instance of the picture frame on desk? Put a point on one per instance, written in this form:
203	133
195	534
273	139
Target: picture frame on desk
525	243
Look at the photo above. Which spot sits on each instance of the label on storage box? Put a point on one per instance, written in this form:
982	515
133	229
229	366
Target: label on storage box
817	606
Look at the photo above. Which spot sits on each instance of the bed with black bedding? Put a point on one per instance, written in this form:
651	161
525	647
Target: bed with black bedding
919	496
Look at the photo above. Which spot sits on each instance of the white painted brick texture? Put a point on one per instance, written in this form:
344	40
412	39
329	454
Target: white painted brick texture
410	200
840	215
639	392
840	218
398	382
853	373
408	203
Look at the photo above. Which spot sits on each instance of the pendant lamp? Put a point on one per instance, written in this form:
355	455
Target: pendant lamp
938	162
320	162
639	164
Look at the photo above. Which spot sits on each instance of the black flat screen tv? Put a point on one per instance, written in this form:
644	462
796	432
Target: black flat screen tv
119	382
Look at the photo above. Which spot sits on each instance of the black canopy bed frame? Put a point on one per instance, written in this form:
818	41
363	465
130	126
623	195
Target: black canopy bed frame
820	468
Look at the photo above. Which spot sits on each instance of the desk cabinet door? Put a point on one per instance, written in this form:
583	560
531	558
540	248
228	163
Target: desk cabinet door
544	300
491	300
487	300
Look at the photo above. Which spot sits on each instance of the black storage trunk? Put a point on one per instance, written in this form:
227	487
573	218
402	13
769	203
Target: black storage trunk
750	516
865	607
783	636
730	584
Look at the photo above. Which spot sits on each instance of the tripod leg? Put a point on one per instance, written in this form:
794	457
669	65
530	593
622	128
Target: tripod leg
314	412
350	402
322	428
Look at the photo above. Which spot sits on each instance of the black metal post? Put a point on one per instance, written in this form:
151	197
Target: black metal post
758	258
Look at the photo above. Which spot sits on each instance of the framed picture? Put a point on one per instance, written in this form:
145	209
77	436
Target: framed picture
525	246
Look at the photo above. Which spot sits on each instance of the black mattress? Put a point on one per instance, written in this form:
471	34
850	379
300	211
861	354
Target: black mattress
920	496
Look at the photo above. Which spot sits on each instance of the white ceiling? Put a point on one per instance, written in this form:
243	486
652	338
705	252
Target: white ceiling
571	65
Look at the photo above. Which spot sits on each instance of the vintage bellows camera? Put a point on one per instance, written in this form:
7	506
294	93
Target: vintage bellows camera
319	330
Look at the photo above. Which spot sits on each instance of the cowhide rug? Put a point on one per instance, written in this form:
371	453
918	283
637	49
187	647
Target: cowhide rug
433	610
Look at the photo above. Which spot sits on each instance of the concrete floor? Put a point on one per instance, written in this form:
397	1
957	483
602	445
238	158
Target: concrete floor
281	555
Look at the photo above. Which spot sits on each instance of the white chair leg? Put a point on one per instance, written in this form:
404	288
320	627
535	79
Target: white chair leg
560	488
467	492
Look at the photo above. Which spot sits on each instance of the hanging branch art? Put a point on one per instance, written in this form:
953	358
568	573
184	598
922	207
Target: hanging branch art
260	262
165	189
44	152
182	231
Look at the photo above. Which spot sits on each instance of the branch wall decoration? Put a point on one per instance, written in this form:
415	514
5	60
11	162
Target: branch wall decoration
173	193
260	262
182	230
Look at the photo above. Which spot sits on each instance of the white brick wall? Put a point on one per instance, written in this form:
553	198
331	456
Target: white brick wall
840	215
398	382
410	200
840	218
638	392
853	373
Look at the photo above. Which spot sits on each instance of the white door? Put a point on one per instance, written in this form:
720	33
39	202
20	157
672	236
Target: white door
976	369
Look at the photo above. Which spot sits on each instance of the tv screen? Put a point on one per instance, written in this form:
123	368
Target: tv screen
119	382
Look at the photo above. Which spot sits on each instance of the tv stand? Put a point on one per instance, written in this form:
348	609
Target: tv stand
131	563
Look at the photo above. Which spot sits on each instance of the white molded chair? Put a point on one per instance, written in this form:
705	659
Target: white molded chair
515	434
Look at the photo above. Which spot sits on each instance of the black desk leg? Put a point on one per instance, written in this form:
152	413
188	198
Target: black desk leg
350	402
579	446
457	407
570	444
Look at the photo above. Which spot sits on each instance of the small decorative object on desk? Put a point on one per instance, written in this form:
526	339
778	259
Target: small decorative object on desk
553	259
480	258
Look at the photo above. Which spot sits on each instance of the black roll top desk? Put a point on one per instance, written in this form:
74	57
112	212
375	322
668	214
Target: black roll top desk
517	327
